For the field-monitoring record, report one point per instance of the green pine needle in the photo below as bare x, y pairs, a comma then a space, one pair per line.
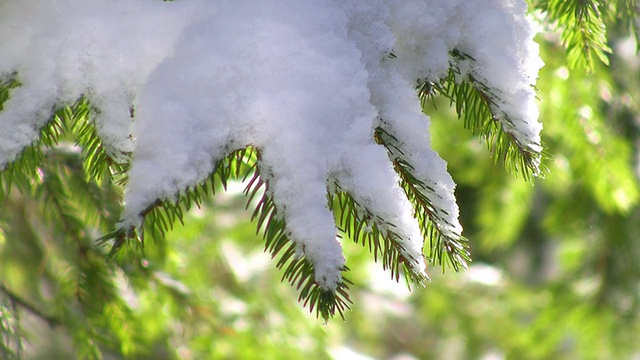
6, 85
584, 34
446, 248
298, 270
364, 228
98, 164
68, 122
474, 103
241, 164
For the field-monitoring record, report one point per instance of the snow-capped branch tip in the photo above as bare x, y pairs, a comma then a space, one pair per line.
480, 108
160, 217
299, 271
447, 247
360, 225
69, 121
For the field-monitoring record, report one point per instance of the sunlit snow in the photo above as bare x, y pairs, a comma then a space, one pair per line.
305, 82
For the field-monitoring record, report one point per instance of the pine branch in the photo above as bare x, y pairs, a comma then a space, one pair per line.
299, 271
161, 216
447, 248
97, 163
50, 320
73, 208
67, 122
476, 104
372, 232
584, 33
24, 169
6, 84
86, 288
23, 172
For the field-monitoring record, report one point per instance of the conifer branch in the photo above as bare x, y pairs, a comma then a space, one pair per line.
299, 271
68, 122
363, 227
6, 84
160, 216
98, 164
476, 104
23, 170
242, 164
447, 248
16, 299
584, 34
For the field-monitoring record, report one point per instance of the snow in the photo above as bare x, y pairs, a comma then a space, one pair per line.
305, 82
61, 50
495, 33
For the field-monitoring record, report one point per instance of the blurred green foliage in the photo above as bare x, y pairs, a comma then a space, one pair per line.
555, 273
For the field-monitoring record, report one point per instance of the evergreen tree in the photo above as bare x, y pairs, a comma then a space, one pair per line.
65, 190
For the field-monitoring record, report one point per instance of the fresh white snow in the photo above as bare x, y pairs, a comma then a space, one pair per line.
306, 82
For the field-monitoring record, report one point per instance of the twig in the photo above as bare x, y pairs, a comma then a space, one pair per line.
17, 300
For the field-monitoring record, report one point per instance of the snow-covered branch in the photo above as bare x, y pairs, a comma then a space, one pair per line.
178, 86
